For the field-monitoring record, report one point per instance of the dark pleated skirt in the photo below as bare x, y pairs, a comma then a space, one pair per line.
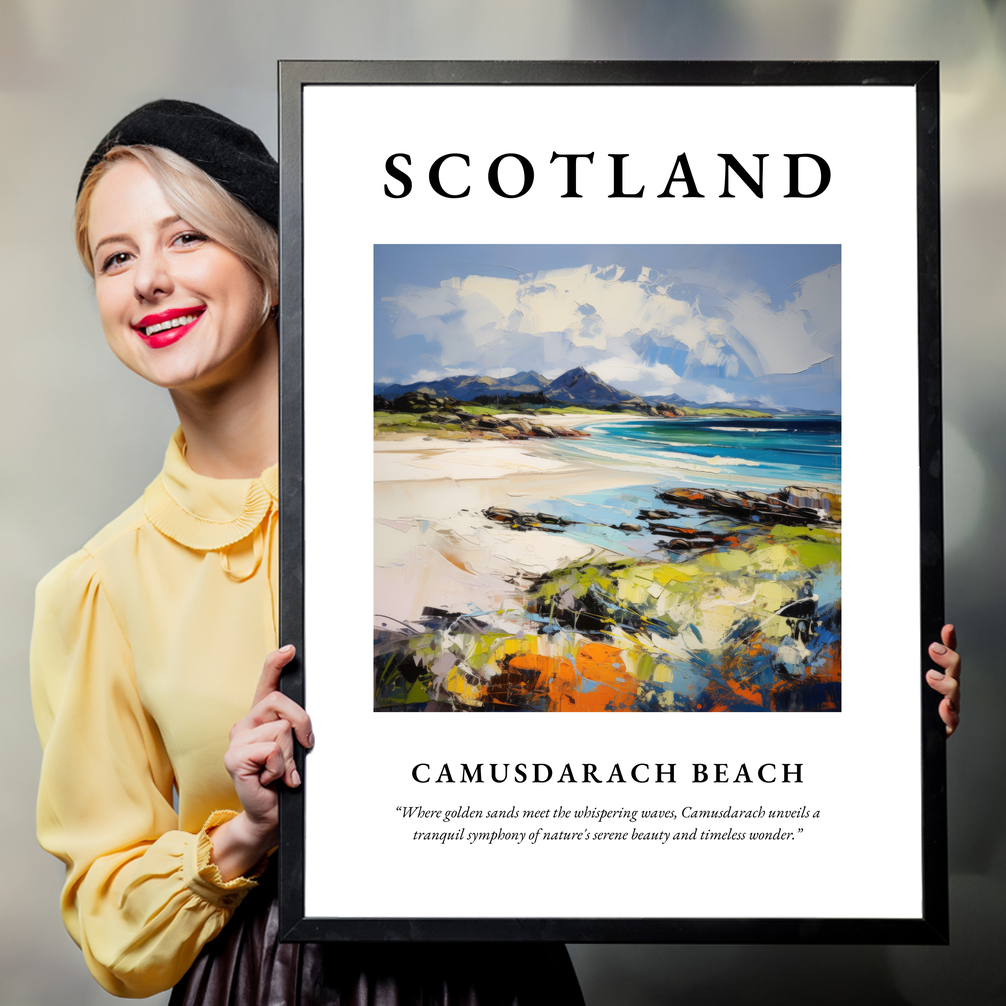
246, 965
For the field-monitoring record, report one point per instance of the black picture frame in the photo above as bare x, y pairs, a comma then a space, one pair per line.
931, 927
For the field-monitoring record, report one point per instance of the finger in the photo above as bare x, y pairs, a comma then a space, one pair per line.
276, 706
278, 732
950, 716
273, 708
949, 636
949, 708
271, 670
949, 660
944, 684
260, 760
274, 766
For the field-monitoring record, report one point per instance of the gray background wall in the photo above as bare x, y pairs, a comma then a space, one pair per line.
81, 436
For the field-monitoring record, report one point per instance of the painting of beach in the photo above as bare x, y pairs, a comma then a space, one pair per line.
607, 478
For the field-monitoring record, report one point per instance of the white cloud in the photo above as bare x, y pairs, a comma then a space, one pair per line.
783, 341
703, 393
436, 375
636, 376
717, 329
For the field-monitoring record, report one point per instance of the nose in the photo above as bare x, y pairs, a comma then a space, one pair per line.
152, 276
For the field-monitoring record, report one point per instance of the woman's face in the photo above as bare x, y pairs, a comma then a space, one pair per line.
177, 308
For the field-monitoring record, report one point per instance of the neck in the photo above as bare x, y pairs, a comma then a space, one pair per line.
231, 426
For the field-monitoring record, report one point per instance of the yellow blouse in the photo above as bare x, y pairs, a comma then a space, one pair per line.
147, 647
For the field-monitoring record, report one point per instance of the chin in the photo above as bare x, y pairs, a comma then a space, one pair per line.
170, 375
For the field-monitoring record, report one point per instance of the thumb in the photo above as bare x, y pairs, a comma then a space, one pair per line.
271, 671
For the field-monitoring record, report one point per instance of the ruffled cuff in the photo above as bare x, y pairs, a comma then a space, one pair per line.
203, 878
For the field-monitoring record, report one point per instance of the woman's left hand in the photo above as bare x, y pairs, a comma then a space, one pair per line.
948, 681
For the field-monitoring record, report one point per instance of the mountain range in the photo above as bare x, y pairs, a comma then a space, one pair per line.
575, 387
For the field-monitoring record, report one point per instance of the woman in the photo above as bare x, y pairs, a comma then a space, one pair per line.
149, 642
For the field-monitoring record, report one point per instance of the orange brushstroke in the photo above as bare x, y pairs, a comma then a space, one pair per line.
714, 699
831, 669
746, 694
545, 667
721, 697
565, 682
521, 677
543, 671
602, 663
734, 660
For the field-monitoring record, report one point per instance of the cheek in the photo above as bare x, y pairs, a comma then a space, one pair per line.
246, 300
113, 313
224, 278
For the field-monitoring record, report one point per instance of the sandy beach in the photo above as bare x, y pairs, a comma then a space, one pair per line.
429, 498
400, 457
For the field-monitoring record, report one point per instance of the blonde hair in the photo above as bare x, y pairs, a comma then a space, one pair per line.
199, 200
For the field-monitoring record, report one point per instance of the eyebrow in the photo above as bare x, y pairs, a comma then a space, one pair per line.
160, 225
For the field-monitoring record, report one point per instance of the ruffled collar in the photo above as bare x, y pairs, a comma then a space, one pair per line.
203, 513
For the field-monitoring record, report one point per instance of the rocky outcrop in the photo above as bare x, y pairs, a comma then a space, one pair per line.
523, 521
683, 539
803, 506
518, 521
456, 419
420, 401
660, 409
792, 505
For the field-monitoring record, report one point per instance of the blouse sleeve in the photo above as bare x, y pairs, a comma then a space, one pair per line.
141, 898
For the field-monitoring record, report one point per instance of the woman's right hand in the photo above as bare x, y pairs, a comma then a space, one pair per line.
260, 753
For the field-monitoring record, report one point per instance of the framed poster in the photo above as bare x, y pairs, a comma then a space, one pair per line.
610, 400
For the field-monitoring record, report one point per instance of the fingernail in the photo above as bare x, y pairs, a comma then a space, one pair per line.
287, 649
310, 740
936, 675
938, 648
295, 777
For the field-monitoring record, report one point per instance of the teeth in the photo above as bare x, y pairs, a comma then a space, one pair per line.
174, 323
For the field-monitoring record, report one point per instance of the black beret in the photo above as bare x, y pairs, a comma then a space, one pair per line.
231, 154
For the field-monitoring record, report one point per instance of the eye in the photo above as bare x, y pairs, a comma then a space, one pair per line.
189, 239
115, 261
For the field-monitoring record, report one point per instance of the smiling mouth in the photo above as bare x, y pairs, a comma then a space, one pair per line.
185, 319
166, 322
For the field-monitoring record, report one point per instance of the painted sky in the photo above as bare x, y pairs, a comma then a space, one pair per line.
709, 323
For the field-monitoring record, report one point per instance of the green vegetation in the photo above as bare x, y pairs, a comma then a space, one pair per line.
577, 410
405, 421
413, 422
750, 624
762, 571
726, 413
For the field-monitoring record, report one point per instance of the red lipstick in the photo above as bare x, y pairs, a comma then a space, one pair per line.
166, 325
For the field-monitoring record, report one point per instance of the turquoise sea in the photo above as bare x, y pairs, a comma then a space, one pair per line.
725, 453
